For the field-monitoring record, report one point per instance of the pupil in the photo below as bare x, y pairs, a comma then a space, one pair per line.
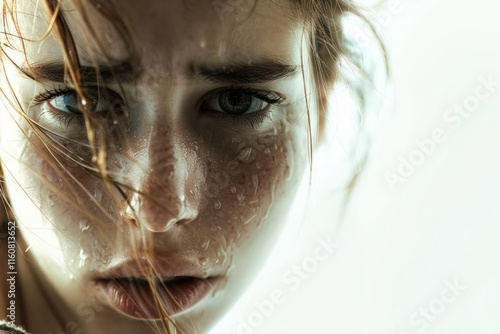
236, 99
70, 100
236, 102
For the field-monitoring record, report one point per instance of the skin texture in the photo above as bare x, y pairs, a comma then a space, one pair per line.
218, 190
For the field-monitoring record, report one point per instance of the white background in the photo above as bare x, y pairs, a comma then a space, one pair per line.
402, 246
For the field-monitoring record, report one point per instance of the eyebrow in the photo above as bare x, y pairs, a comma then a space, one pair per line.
244, 73
232, 72
56, 72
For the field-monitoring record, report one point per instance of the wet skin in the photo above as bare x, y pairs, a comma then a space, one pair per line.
218, 186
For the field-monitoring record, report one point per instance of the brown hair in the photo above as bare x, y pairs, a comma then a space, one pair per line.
328, 48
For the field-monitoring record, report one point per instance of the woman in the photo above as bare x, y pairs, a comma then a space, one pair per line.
151, 150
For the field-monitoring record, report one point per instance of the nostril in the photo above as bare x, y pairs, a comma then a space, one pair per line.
188, 215
158, 216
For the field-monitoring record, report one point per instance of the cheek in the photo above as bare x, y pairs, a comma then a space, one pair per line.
60, 207
79, 212
250, 180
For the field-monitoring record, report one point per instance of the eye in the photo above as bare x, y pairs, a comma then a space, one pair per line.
66, 103
98, 100
239, 101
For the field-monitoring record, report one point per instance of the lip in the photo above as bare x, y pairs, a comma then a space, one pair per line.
181, 285
135, 298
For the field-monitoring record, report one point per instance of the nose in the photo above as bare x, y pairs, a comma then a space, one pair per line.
161, 202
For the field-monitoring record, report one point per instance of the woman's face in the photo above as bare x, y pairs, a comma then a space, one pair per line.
216, 141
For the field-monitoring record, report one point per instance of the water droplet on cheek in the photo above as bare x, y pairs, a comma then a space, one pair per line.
240, 197
83, 259
203, 261
218, 256
217, 204
100, 252
98, 193
233, 189
205, 244
84, 225
247, 221
247, 155
255, 182
215, 228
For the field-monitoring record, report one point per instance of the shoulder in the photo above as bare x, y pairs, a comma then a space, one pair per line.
7, 328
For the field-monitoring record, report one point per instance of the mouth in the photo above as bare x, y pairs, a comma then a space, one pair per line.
136, 297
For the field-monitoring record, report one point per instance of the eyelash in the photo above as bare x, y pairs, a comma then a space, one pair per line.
251, 120
50, 94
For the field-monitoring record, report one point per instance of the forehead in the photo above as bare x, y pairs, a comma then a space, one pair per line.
171, 31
